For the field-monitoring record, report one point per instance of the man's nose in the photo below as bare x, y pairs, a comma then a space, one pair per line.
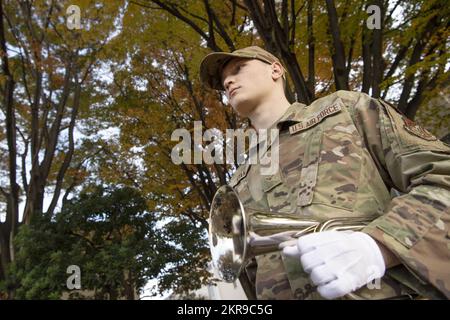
227, 82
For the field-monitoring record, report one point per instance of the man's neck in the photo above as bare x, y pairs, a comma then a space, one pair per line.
268, 112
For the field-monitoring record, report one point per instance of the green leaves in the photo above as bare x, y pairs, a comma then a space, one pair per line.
107, 232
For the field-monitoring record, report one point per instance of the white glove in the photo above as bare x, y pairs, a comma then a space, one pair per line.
339, 262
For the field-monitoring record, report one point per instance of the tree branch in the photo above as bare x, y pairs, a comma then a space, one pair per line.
311, 49
69, 153
420, 45
220, 29
10, 226
172, 9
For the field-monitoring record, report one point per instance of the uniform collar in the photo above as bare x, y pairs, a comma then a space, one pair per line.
293, 114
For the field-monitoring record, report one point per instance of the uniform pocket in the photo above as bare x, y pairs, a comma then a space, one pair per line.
410, 217
293, 185
339, 168
310, 167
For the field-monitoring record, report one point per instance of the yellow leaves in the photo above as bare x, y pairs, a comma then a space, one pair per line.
2, 132
23, 111
77, 174
127, 230
57, 82
3, 80
56, 164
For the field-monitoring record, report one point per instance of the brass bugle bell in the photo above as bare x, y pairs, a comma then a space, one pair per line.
237, 234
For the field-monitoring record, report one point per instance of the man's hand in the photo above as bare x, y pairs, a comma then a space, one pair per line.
339, 262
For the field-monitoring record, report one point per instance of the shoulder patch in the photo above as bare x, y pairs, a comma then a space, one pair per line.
315, 118
409, 125
417, 130
406, 135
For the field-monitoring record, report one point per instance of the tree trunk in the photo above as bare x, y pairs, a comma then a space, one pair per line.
421, 42
5, 257
270, 30
377, 49
8, 229
367, 61
338, 53
409, 80
311, 48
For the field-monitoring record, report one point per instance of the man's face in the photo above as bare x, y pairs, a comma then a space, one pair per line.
247, 82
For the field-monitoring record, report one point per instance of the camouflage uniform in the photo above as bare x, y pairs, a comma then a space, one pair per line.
342, 156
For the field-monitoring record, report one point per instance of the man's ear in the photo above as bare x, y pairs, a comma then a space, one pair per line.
277, 70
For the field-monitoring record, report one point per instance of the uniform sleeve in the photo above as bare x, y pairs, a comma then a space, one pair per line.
416, 225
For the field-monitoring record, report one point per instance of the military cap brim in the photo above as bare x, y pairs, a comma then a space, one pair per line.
212, 65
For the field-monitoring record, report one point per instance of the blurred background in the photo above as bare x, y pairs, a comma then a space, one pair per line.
91, 204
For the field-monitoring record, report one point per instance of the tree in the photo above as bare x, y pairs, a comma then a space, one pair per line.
101, 103
141, 157
409, 47
109, 234
156, 87
45, 83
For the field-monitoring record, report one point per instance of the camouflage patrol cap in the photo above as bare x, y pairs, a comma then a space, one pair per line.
212, 65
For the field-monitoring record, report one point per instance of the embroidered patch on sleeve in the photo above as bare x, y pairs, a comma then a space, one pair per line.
417, 130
